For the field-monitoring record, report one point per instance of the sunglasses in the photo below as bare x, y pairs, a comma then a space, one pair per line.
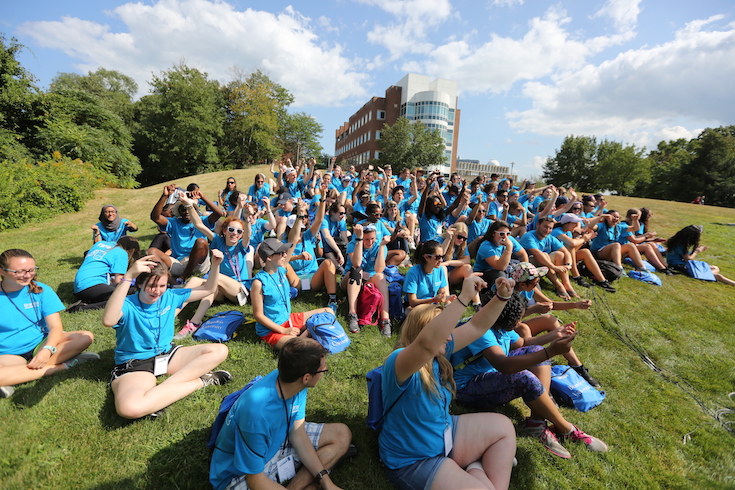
502, 233
341, 213
320, 371
237, 231
231, 182
481, 211
434, 256
460, 237
576, 209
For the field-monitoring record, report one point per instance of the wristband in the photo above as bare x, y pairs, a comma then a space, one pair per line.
547, 354
358, 239
319, 476
460, 302
131, 281
51, 348
502, 298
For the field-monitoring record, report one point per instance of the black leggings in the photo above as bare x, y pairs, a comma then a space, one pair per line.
96, 296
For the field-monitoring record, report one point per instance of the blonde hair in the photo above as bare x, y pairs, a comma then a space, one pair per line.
419, 317
459, 227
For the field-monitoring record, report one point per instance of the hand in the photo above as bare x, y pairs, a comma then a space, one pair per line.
143, 264
340, 259
504, 286
561, 345
303, 207
217, 257
167, 191
561, 269
385, 240
543, 308
292, 331
357, 230
451, 232
305, 255
242, 200
583, 304
40, 359
96, 229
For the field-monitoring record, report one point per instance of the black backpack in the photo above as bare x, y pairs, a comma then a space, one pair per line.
610, 270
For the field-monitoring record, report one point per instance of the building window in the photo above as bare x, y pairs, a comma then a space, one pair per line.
377, 135
381, 114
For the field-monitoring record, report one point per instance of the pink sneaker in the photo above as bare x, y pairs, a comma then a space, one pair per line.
541, 431
188, 329
578, 435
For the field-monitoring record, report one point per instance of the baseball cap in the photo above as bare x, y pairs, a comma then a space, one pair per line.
284, 197
271, 246
570, 218
526, 271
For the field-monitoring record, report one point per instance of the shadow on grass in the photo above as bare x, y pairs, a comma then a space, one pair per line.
65, 291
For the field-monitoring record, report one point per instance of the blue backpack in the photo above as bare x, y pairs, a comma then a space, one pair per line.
224, 410
221, 327
325, 329
649, 266
395, 302
572, 390
375, 414
699, 269
645, 276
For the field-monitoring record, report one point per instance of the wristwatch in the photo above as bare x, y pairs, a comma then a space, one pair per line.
51, 348
318, 477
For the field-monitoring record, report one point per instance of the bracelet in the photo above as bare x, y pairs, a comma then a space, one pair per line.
97, 234
131, 281
319, 476
460, 302
358, 239
502, 298
547, 354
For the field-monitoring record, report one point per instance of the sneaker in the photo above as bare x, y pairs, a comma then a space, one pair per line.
666, 271
624, 273
592, 443
352, 324
606, 286
216, 378
76, 306
582, 371
385, 327
541, 431
155, 415
188, 329
6, 391
581, 281
81, 359
333, 305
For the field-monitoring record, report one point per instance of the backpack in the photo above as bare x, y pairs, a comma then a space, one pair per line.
699, 269
369, 305
645, 276
375, 414
395, 302
610, 270
221, 327
572, 390
224, 410
325, 329
392, 274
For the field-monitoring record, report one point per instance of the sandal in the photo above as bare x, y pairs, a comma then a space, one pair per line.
573, 294
563, 295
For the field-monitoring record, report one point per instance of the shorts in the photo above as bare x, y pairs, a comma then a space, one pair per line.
139, 365
31, 354
420, 475
314, 431
178, 266
490, 390
295, 320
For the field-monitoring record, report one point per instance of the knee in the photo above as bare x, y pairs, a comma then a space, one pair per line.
217, 351
128, 409
329, 266
342, 436
87, 338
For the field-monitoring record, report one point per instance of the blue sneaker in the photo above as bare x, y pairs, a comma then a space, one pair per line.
333, 305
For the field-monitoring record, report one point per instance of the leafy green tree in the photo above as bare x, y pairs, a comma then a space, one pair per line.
114, 89
711, 172
574, 164
18, 92
619, 167
255, 108
299, 135
411, 144
666, 163
180, 125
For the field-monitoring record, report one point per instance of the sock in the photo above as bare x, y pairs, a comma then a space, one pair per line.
332, 297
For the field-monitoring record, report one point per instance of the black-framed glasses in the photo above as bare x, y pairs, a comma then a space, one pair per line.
434, 256
576, 209
237, 231
23, 272
461, 237
320, 371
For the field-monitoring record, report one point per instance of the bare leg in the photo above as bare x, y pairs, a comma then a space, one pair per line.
198, 254
612, 253
720, 277
333, 444
592, 265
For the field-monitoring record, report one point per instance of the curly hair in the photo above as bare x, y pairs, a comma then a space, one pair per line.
687, 237
512, 312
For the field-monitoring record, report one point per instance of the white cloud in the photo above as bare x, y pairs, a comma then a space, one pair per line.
624, 13
506, 3
213, 37
643, 95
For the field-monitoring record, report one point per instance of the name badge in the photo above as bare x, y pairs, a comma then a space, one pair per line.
160, 365
286, 469
448, 442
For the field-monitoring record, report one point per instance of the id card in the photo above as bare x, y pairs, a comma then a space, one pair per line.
160, 365
448, 442
242, 296
306, 284
286, 469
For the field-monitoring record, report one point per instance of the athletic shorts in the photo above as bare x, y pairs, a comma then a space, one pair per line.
140, 365
178, 266
31, 354
295, 320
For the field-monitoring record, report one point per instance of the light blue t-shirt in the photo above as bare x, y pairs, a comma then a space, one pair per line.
477, 229
624, 233
183, 235
424, 285
418, 416
502, 338
489, 249
102, 260
369, 256
308, 244
114, 235
255, 430
547, 245
234, 264
276, 298
257, 195
430, 228
674, 256
144, 330
605, 236
23, 319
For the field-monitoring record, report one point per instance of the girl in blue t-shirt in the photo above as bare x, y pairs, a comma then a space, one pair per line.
426, 282
111, 227
225, 194
144, 327
334, 235
33, 343
498, 250
260, 191
457, 257
421, 444
499, 367
684, 246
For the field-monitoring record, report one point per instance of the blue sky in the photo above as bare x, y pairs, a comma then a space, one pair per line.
529, 73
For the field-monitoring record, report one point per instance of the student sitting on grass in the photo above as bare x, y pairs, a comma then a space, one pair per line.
500, 367
111, 227
684, 246
271, 297
144, 326
426, 282
33, 343
457, 257
421, 444
266, 426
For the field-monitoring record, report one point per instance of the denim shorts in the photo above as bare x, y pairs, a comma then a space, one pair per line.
420, 475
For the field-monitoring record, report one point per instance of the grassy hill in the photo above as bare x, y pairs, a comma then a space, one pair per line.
658, 418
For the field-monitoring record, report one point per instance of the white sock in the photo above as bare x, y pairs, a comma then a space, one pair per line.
476, 465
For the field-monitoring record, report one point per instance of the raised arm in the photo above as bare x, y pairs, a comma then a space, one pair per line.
196, 220
113, 308
156, 215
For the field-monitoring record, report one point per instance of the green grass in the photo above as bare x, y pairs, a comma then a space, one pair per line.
62, 432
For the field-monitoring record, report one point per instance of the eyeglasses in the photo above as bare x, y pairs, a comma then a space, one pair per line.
341, 213
23, 272
502, 233
232, 181
460, 237
576, 209
434, 256
237, 231
320, 371
481, 211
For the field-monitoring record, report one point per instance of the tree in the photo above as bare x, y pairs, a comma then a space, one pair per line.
18, 92
114, 89
574, 164
666, 163
619, 167
255, 109
299, 136
411, 144
711, 172
180, 125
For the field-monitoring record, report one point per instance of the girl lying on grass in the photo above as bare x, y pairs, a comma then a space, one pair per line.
684, 246
144, 326
33, 343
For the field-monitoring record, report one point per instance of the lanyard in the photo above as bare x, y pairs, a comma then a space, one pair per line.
236, 266
36, 322
278, 285
288, 415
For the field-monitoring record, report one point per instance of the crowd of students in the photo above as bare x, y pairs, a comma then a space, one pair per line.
487, 239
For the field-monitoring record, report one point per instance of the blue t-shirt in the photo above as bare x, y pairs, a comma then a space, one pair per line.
234, 264
489, 249
257, 232
257, 195
369, 257
255, 430
418, 416
477, 229
624, 233
430, 228
113, 236
102, 260
674, 256
276, 298
605, 236
424, 285
307, 244
183, 236
502, 338
23, 319
144, 330
547, 245
334, 228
